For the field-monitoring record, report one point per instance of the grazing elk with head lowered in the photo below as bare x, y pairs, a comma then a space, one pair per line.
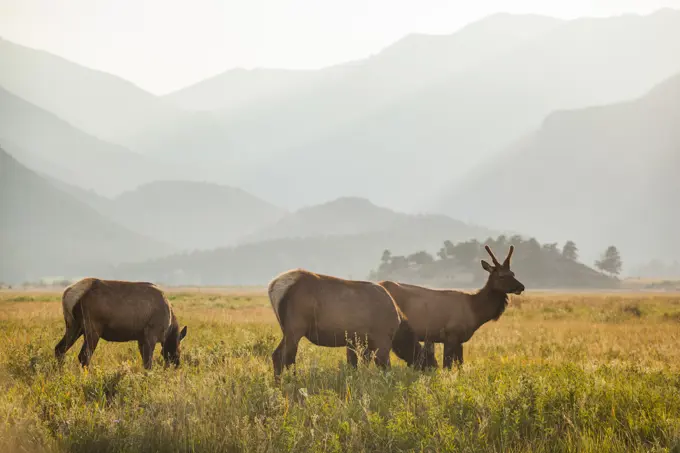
119, 311
452, 317
334, 312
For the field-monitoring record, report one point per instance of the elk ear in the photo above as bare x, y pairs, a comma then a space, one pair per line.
183, 333
487, 267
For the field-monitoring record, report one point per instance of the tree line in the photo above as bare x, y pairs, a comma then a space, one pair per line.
545, 264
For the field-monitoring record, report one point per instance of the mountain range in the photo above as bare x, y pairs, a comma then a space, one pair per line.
438, 133
46, 232
100, 104
345, 237
296, 108
473, 93
599, 176
104, 107
349, 216
50, 145
457, 99
520, 123
52, 228
189, 215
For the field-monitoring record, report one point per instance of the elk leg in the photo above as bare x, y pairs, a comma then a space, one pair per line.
458, 356
429, 354
382, 356
406, 346
89, 345
72, 334
453, 351
284, 354
146, 349
352, 358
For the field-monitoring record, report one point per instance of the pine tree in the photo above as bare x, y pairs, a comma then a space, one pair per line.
570, 251
610, 261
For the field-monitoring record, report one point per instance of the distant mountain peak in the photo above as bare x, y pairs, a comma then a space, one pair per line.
346, 207
349, 201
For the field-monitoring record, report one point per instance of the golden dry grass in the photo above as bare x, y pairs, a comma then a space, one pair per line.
557, 372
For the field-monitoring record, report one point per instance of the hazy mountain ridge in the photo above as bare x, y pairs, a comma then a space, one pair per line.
607, 175
351, 256
419, 54
343, 237
54, 147
96, 102
188, 215
580, 63
367, 120
194, 215
106, 106
46, 232
316, 104
392, 128
239, 88
349, 216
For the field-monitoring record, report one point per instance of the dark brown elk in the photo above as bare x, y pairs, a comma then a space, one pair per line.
119, 311
334, 312
452, 317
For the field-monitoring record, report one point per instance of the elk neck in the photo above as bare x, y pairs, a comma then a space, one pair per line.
173, 328
488, 304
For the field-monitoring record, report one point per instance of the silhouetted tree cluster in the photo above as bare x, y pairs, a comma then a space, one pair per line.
420, 258
539, 265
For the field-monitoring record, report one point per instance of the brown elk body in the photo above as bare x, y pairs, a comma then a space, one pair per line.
451, 317
334, 312
119, 311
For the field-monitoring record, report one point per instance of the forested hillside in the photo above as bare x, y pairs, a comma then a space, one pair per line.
458, 265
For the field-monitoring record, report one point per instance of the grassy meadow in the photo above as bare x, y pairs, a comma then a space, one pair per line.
557, 372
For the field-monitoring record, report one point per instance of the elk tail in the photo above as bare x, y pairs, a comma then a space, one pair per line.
72, 296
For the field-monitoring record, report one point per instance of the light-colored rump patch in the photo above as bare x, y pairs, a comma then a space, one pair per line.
279, 286
72, 295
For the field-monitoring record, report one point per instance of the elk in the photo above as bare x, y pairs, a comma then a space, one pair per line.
334, 312
452, 317
119, 311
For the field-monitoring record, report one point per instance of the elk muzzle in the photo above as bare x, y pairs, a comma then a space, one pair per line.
519, 289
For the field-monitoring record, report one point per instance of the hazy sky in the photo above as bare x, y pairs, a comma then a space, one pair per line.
162, 45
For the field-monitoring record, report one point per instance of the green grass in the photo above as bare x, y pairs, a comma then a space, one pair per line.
595, 373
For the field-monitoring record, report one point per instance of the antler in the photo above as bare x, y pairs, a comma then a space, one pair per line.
493, 257
506, 263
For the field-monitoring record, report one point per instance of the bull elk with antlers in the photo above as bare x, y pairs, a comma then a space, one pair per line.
452, 317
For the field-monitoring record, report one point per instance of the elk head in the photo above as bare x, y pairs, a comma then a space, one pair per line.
170, 348
501, 278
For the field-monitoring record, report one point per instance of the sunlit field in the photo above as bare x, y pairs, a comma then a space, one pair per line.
557, 372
